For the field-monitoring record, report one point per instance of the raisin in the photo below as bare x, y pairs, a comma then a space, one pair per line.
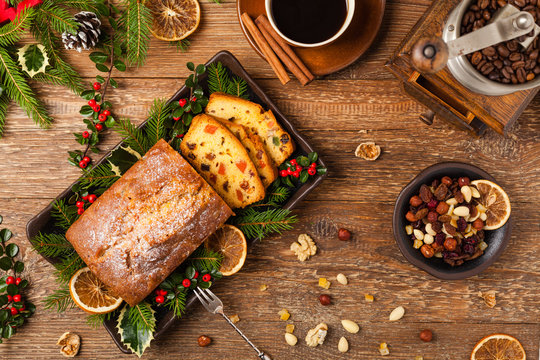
461, 224
244, 185
436, 226
191, 156
425, 193
284, 138
445, 218
191, 146
420, 214
260, 154
226, 186
213, 178
440, 192
459, 197
205, 167
210, 156
450, 229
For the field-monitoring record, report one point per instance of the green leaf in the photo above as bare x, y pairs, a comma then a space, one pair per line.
86, 110
4, 313
7, 332
190, 66
113, 83
201, 69
190, 272
5, 235
5, 263
88, 94
18, 267
23, 284
1, 219
12, 289
12, 250
100, 79
136, 338
313, 157
33, 59
102, 68
119, 64
122, 159
1, 251
304, 176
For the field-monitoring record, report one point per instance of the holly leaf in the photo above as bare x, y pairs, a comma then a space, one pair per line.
137, 339
122, 159
33, 59
5, 263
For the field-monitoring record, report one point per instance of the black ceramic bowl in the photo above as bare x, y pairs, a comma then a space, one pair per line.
496, 239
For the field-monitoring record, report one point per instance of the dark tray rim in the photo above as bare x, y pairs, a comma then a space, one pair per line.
40, 220
404, 243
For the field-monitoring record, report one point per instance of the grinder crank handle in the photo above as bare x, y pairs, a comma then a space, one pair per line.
429, 55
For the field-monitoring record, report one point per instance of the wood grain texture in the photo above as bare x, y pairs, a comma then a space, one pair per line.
360, 103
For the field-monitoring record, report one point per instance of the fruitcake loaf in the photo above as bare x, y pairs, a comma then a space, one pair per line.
265, 166
147, 223
277, 142
223, 161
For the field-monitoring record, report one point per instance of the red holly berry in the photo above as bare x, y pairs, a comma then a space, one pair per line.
293, 162
299, 168
79, 204
83, 164
86, 159
186, 283
96, 86
97, 108
289, 171
180, 136
10, 280
206, 278
194, 99
85, 197
312, 171
196, 275
14, 311
85, 134
92, 103
283, 173
182, 102
163, 292
176, 118
92, 198
106, 112
17, 298
313, 165
23, 308
102, 117
99, 127
18, 281
80, 211
10, 298
160, 299
296, 174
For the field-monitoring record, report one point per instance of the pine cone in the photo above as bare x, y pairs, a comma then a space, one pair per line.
87, 35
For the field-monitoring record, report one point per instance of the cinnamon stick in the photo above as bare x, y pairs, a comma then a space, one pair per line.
266, 49
262, 20
286, 59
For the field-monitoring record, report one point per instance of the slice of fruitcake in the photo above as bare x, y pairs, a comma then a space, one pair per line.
223, 161
255, 148
277, 142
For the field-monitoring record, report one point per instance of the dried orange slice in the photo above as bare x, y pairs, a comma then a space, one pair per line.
498, 347
174, 20
91, 294
229, 241
495, 200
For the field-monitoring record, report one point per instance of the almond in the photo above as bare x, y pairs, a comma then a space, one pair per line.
343, 345
397, 313
291, 339
342, 279
350, 326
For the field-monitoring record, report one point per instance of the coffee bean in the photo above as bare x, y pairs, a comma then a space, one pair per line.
487, 68
514, 79
489, 51
503, 50
512, 45
498, 64
515, 56
520, 3
530, 64
518, 65
482, 4
476, 58
534, 54
521, 75
506, 73
494, 76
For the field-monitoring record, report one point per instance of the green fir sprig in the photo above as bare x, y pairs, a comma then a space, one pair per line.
60, 300
51, 245
259, 224
221, 80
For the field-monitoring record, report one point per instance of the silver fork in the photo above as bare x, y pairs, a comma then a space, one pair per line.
214, 305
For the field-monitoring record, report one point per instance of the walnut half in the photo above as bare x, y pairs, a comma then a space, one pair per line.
304, 248
317, 335
70, 344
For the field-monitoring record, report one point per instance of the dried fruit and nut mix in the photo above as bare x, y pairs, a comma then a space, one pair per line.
446, 220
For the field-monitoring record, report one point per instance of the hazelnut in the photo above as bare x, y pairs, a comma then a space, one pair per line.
204, 340
344, 234
447, 181
463, 181
450, 244
426, 335
409, 216
478, 224
427, 251
415, 201
442, 208
325, 299
432, 216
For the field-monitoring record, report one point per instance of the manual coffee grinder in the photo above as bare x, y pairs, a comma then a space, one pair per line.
431, 63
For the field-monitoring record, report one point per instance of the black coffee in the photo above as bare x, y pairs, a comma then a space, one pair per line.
309, 21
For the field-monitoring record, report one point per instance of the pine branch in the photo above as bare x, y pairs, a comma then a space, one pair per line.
137, 23
4, 102
51, 245
133, 137
205, 259
13, 31
60, 300
181, 45
96, 320
177, 304
256, 224
63, 214
79, 4
67, 267
17, 88
58, 17
100, 176
141, 316
218, 77
238, 87
155, 127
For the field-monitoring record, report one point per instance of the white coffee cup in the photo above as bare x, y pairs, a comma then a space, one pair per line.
350, 13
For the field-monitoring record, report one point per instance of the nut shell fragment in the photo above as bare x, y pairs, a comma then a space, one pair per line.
368, 151
316, 335
70, 344
304, 248
489, 298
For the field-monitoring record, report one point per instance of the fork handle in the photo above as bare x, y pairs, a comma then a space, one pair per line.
260, 354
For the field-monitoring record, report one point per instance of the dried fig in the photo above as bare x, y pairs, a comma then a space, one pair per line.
425, 193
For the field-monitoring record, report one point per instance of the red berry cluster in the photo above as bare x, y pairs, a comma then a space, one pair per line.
80, 204
102, 117
17, 298
84, 161
160, 296
295, 169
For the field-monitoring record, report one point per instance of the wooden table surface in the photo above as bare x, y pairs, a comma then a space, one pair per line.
336, 113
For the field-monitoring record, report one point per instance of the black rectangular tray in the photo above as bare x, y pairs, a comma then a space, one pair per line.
40, 221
